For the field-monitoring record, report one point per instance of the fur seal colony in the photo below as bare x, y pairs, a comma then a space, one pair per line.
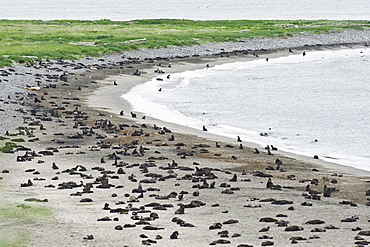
121, 180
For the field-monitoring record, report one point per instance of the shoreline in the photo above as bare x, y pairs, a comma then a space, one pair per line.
121, 181
113, 102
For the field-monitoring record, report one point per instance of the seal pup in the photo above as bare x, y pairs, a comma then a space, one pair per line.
204, 128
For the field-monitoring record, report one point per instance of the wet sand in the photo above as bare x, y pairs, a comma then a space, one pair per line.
123, 181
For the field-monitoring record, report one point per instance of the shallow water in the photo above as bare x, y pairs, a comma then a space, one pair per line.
191, 9
295, 100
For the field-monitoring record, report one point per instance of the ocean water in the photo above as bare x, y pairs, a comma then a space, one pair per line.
190, 9
316, 104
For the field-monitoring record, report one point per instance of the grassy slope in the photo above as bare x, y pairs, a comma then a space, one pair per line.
53, 39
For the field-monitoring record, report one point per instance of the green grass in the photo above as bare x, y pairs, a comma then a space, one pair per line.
7, 147
24, 40
18, 221
15, 238
27, 213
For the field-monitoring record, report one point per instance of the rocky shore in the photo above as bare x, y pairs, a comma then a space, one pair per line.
104, 177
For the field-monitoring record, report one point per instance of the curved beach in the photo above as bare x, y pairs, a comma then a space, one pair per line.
114, 180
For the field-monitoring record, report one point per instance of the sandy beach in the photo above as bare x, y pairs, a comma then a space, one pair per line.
111, 179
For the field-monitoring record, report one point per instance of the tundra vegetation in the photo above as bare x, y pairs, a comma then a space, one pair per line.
24, 40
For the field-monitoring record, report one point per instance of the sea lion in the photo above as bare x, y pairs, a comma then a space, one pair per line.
265, 229
181, 210
174, 235
234, 178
